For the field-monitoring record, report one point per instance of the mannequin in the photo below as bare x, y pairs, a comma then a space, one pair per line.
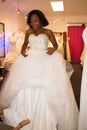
12, 53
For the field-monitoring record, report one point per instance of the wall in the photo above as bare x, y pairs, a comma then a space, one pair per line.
13, 21
9, 16
59, 24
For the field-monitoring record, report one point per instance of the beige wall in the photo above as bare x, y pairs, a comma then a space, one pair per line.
9, 16
13, 21
59, 24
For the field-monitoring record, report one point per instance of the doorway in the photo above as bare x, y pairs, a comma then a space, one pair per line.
76, 43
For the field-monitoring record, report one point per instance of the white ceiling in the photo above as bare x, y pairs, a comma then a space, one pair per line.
71, 7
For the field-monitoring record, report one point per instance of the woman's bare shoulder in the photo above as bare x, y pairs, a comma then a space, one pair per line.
48, 32
29, 31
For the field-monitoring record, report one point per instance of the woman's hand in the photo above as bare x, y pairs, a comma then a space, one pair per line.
50, 50
22, 124
24, 54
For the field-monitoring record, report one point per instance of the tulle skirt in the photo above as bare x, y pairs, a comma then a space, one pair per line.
38, 87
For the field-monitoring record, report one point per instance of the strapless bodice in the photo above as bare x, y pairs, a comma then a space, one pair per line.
38, 42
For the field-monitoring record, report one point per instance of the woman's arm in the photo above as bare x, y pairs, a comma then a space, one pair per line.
24, 46
22, 124
53, 41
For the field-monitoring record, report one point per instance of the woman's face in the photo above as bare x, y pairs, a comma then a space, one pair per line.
35, 22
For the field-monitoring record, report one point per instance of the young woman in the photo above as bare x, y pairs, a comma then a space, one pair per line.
38, 86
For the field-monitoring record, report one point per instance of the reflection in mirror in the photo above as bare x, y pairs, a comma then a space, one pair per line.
2, 40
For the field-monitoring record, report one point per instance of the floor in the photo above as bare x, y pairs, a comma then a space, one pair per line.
76, 81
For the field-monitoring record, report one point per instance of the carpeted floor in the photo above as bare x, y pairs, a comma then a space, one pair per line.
5, 127
76, 81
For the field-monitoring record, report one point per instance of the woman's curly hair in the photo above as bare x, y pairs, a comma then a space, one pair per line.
39, 13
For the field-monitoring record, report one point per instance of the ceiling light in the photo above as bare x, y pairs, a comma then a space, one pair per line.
18, 10
57, 5
25, 16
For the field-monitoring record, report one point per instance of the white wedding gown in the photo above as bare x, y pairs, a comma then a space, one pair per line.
83, 98
38, 88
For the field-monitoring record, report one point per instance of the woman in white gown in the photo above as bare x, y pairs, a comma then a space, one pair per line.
83, 98
38, 86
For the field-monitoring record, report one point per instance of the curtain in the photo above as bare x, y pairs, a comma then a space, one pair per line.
75, 42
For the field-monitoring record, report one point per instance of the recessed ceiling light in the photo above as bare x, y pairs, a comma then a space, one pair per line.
57, 5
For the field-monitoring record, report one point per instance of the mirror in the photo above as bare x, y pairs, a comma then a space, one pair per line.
2, 40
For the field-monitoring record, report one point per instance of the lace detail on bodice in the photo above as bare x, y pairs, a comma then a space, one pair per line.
38, 42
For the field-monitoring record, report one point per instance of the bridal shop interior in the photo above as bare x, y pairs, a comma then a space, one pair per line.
67, 26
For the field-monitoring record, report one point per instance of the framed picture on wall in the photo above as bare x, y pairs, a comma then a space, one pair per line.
2, 40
